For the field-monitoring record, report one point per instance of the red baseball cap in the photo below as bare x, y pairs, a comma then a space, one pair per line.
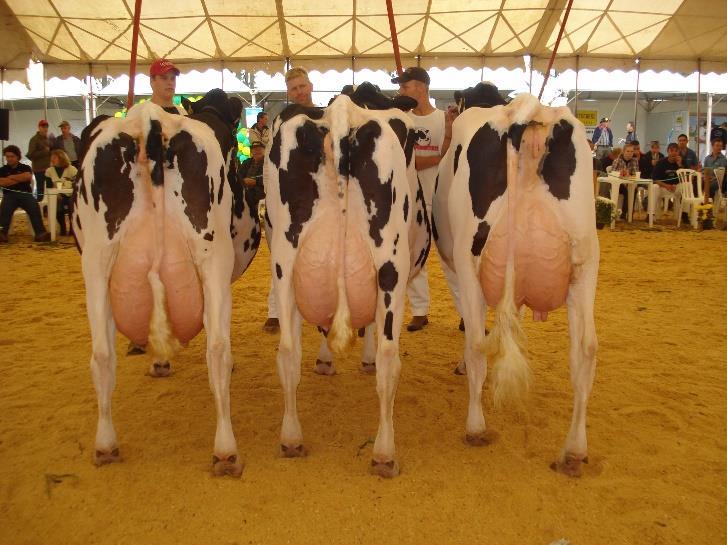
162, 66
42, 123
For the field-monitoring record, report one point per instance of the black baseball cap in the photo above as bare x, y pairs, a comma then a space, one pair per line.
413, 73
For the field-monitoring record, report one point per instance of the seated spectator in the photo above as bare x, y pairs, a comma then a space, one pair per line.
15, 178
609, 158
648, 160
719, 132
626, 165
68, 142
61, 172
637, 150
712, 161
689, 158
665, 172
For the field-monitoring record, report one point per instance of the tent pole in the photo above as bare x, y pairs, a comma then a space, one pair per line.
575, 99
134, 45
699, 99
636, 95
555, 49
45, 97
222, 75
709, 123
394, 39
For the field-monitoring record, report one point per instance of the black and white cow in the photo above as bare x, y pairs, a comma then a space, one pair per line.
349, 229
513, 216
157, 205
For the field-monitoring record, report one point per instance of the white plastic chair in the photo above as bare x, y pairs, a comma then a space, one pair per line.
720, 200
684, 197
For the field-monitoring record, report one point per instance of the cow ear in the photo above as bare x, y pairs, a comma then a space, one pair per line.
187, 105
235, 108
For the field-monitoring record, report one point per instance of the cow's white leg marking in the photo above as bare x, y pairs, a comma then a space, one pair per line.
368, 355
388, 367
97, 263
324, 363
583, 347
216, 275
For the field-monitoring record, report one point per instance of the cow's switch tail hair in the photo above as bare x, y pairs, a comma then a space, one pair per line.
161, 339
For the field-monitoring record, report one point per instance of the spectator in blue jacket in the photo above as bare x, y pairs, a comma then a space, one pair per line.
602, 138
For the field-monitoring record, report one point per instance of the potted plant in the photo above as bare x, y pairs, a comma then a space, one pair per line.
705, 217
605, 211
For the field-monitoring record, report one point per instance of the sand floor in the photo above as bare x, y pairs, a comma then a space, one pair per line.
657, 442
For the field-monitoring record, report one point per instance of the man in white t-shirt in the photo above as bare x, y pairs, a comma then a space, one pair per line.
434, 133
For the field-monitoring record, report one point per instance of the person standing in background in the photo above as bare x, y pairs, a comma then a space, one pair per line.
630, 132
39, 153
68, 142
602, 138
434, 133
260, 132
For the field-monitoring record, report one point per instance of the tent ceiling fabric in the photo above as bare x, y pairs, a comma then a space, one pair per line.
73, 38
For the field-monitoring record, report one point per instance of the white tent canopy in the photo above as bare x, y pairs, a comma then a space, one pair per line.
77, 38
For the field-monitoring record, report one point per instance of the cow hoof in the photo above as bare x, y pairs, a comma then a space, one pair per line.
160, 369
570, 465
231, 465
103, 457
387, 470
461, 368
324, 368
481, 439
293, 451
368, 368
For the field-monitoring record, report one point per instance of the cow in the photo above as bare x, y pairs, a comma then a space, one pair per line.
163, 228
513, 216
349, 228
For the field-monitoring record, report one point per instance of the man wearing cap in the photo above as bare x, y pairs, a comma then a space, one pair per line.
68, 142
260, 132
300, 89
163, 75
39, 153
602, 138
434, 133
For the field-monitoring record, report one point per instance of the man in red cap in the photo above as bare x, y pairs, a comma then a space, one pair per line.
163, 76
39, 154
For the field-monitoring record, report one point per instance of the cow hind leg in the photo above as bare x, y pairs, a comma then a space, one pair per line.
324, 362
583, 346
368, 355
96, 271
217, 318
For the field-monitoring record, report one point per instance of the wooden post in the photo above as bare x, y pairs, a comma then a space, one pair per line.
636, 95
394, 39
699, 100
132, 64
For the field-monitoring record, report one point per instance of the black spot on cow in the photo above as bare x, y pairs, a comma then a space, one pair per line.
387, 299
396, 240
393, 195
422, 257
389, 325
560, 160
298, 189
222, 184
176, 193
275, 149
197, 186
406, 207
88, 135
400, 129
388, 276
267, 219
78, 222
482, 95
255, 236
434, 229
515, 133
246, 245
376, 191
209, 236
420, 218
487, 159
411, 139
478, 241
155, 152
82, 188
344, 164
278, 271
295, 109
436, 183
112, 180
457, 151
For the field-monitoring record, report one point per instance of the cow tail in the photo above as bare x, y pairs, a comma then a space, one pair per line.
341, 336
151, 158
506, 346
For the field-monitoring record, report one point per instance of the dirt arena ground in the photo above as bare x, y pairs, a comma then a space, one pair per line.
657, 441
